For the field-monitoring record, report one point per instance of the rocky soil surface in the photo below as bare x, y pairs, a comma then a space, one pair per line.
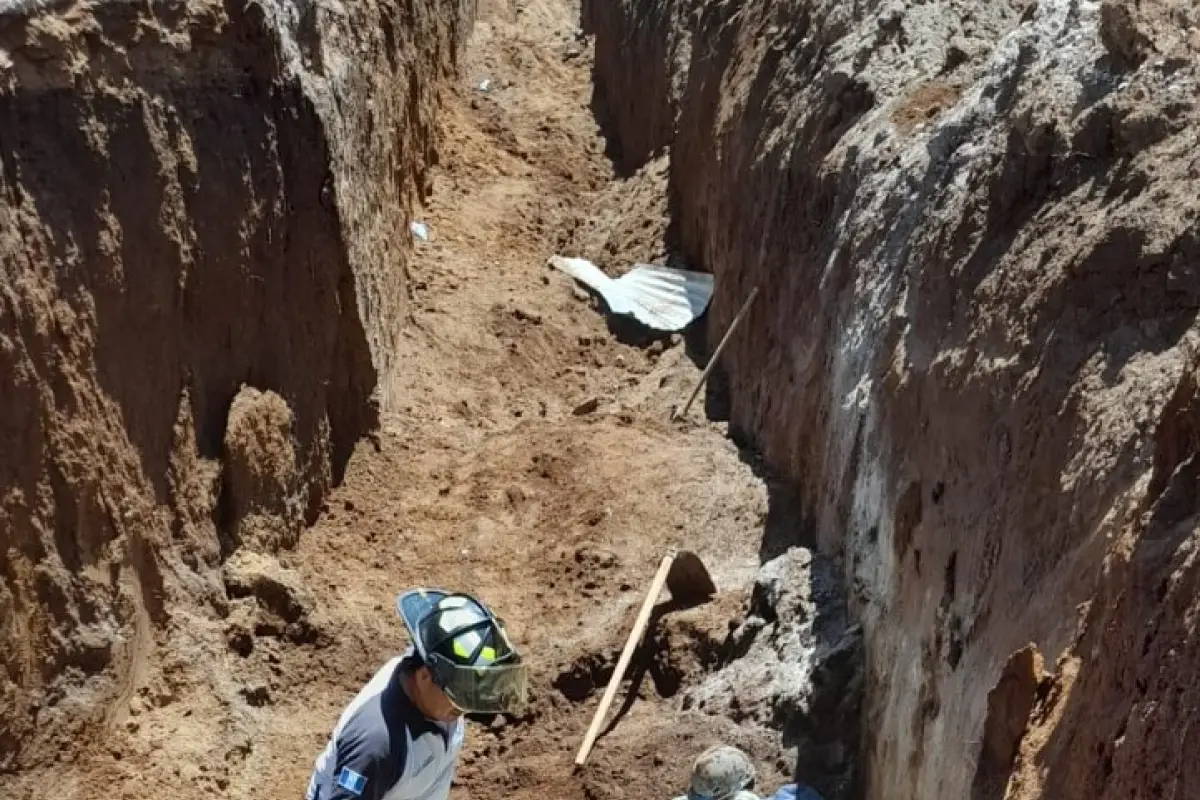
242, 407
976, 351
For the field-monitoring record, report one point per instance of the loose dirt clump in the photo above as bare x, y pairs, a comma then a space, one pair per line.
924, 104
263, 507
272, 600
628, 222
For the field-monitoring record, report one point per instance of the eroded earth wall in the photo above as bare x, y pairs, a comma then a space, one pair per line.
198, 201
976, 350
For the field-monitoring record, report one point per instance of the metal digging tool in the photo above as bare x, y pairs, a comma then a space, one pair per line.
688, 581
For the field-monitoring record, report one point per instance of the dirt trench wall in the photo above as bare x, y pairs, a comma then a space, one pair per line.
976, 350
193, 197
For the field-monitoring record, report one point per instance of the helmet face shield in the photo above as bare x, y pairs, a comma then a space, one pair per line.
466, 650
496, 689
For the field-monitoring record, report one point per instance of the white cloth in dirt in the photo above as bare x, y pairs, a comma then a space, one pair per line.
384, 748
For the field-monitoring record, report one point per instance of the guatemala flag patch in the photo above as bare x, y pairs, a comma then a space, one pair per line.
351, 781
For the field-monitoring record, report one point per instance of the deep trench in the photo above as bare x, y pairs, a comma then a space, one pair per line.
242, 420
945, 472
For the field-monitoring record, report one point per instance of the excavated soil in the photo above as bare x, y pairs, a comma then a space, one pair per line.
524, 452
246, 408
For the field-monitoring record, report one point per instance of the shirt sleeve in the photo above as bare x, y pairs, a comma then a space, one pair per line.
367, 764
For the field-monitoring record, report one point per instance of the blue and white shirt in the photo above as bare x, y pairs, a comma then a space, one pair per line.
383, 748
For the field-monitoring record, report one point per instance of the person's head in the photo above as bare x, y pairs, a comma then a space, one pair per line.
721, 773
425, 693
466, 662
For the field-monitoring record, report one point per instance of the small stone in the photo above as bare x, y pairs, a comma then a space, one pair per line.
586, 407
523, 315
596, 556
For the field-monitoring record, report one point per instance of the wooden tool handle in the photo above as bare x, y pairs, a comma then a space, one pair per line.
712, 360
639, 626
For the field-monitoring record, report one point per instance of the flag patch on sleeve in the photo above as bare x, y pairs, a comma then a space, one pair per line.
351, 781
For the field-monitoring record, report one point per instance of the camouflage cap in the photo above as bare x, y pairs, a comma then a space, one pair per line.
719, 773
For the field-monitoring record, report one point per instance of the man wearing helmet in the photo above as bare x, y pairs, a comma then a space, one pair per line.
401, 734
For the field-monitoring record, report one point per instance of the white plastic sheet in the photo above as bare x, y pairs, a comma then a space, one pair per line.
663, 298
